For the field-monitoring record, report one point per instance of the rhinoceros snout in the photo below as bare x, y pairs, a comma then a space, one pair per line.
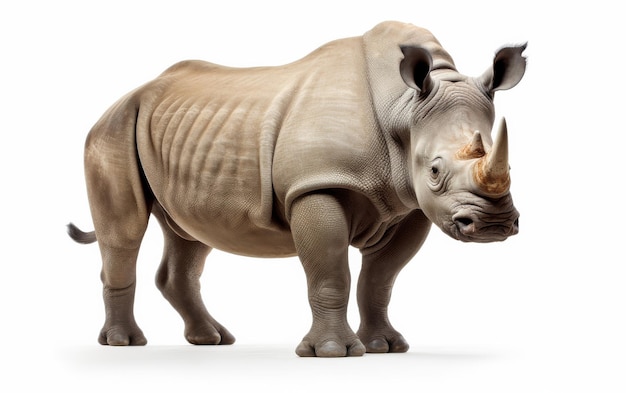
473, 227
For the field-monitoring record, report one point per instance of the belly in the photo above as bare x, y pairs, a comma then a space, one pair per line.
228, 215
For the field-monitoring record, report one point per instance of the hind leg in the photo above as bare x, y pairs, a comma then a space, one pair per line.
119, 209
178, 279
118, 277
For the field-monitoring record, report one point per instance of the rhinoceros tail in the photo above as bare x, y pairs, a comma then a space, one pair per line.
79, 236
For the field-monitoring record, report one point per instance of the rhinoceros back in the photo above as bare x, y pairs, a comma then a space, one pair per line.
227, 150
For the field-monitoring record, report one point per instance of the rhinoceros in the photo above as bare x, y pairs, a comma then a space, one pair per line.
364, 142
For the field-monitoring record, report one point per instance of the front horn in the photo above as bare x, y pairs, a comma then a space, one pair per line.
491, 172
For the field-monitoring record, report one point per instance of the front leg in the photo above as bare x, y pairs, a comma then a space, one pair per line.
378, 274
321, 235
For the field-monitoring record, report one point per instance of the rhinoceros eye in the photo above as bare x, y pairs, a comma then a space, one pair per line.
435, 169
438, 175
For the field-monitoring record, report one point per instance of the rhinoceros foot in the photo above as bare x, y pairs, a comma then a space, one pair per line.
122, 335
330, 348
383, 342
208, 333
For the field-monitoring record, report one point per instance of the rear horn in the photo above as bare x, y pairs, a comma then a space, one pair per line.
474, 149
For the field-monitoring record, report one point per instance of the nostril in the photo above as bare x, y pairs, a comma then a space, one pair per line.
464, 221
464, 224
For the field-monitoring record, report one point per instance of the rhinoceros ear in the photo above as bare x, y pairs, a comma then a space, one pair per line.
508, 69
415, 68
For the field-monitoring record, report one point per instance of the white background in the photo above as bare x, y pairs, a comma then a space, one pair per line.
542, 312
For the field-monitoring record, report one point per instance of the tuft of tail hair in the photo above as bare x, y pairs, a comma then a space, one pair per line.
79, 236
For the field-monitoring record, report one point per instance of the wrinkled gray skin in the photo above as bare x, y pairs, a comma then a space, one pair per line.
364, 142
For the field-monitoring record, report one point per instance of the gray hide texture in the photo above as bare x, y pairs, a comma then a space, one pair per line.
364, 142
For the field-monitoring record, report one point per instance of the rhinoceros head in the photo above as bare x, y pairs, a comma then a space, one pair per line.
460, 174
